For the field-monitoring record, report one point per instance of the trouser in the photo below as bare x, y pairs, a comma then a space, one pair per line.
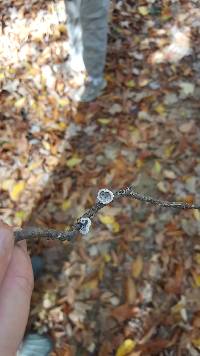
87, 25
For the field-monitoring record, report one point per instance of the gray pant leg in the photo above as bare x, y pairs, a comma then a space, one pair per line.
94, 21
74, 30
88, 29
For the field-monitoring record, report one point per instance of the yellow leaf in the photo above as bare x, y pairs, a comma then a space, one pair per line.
104, 121
157, 167
137, 266
92, 284
196, 343
110, 222
7, 184
46, 145
107, 258
131, 292
196, 278
101, 271
21, 215
168, 151
61, 28
162, 186
20, 103
74, 161
139, 163
143, 10
16, 190
66, 205
130, 84
196, 214
169, 174
116, 227
34, 165
176, 309
2, 76
197, 258
63, 102
106, 219
160, 109
62, 125
126, 347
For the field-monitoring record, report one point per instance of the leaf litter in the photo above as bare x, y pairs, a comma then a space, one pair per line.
132, 286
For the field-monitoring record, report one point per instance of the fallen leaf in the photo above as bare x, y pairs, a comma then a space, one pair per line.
66, 204
196, 343
160, 109
137, 266
187, 88
90, 285
123, 312
186, 127
110, 222
169, 174
16, 190
115, 108
104, 121
7, 184
126, 347
157, 167
73, 161
20, 103
131, 293
196, 214
197, 258
143, 10
196, 277
21, 215
130, 83
163, 186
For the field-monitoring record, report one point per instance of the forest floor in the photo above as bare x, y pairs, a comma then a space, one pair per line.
132, 286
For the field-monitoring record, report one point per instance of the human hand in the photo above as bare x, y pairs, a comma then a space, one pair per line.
16, 285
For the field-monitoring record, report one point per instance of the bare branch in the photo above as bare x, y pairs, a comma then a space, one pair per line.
50, 234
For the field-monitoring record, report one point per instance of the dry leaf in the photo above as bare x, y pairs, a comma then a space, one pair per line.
137, 266
123, 312
126, 347
131, 293
17, 190
110, 221
143, 10
169, 174
73, 162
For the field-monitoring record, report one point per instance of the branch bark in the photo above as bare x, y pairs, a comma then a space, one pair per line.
50, 234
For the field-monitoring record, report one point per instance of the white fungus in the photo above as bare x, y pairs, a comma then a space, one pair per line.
86, 223
105, 196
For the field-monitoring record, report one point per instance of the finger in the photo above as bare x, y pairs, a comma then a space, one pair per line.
15, 295
6, 248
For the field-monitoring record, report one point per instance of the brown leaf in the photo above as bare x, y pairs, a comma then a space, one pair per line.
130, 289
123, 312
137, 266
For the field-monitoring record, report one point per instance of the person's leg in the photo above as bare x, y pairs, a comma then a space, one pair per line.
74, 31
94, 23
88, 30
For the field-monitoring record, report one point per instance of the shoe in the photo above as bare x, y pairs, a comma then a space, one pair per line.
36, 345
38, 266
87, 92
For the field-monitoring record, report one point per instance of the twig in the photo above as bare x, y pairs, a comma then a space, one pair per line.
34, 232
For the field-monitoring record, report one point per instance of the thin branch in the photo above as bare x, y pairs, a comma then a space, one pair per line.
50, 234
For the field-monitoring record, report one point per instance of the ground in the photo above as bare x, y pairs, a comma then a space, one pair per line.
132, 285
